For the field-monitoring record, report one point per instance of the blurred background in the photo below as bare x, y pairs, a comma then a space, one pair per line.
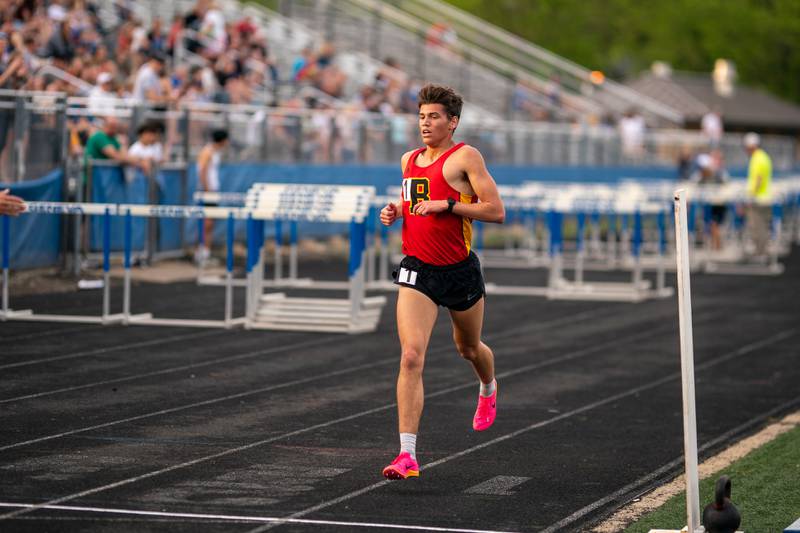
313, 91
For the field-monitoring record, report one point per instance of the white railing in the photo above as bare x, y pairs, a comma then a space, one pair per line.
533, 58
343, 134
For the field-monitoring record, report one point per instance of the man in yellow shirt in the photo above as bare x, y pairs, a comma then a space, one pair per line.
759, 193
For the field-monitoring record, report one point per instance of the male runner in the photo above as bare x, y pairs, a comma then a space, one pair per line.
442, 183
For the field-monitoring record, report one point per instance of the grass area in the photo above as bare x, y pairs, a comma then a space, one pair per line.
765, 487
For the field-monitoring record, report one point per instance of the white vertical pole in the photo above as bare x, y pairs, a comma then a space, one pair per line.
687, 363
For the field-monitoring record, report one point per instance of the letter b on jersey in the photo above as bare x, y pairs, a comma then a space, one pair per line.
416, 190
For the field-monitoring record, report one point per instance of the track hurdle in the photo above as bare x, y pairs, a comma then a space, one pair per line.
322, 203
733, 258
576, 203
296, 203
376, 265
637, 289
128, 211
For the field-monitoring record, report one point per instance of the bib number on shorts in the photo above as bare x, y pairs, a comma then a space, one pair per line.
407, 277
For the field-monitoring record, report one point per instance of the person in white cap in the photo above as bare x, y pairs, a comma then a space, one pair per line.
101, 96
759, 193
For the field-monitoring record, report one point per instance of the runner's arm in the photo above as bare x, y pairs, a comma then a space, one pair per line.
489, 209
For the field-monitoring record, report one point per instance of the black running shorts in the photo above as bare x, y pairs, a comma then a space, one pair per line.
457, 287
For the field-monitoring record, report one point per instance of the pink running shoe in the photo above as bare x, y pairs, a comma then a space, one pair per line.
486, 412
404, 466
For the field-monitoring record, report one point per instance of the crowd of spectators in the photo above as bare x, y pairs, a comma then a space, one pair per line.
197, 57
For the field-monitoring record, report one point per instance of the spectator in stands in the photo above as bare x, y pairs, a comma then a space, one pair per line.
156, 38
304, 67
631, 131
148, 87
522, 102
208, 163
441, 34
759, 192
80, 130
345, 142
102, 98
60, 46
105, 144
175, 30
718, 164
553, 90
711, 125
213, 30
707, 175
10, 205
685, 163
12, 64
148, 143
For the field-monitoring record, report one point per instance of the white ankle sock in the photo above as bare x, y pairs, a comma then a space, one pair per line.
487, 389
408, 443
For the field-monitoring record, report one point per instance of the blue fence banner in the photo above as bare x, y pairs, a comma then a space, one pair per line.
36, 239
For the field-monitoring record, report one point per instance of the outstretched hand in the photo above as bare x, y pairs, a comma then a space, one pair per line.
11, 205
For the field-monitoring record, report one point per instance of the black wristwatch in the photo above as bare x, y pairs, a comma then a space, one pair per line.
450, 204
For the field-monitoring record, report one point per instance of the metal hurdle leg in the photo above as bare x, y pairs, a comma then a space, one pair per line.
229, 272
661, 288
594, 235
580, 248
611, 241
278, 252
6, 313
556, 277
624, 238
127, 318
6, 250
358, 235
126, 293
370, 246
108, 318
636, 251
293, 250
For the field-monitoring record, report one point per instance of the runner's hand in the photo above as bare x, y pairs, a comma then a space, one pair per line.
429, 207
389, 214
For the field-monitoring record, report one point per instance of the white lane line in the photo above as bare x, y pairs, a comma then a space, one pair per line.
446, 347
193, 405
257, 353
588, 407
301, 431
242, 356
498, 486
44, 333
116, 348
244, 518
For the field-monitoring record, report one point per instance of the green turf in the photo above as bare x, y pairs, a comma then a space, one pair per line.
765, 486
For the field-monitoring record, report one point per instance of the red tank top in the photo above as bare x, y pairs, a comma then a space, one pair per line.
442, 238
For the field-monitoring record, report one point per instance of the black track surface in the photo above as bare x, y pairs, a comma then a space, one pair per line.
272, 424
